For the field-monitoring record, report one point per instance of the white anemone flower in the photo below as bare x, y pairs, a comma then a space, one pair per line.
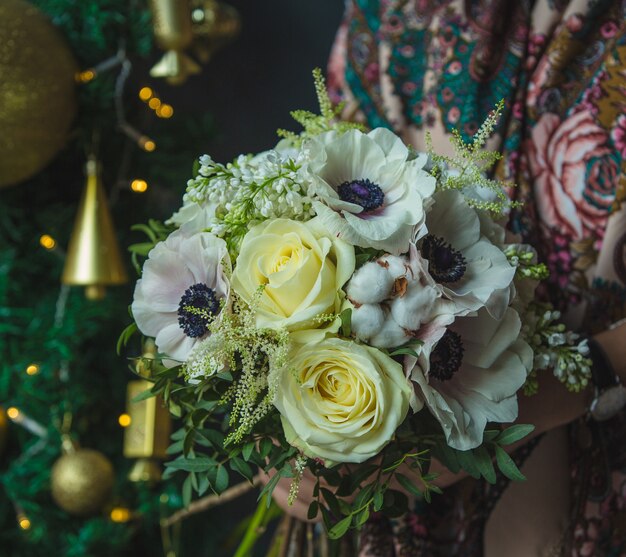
473, 271
472, 376
182, 289
368, 190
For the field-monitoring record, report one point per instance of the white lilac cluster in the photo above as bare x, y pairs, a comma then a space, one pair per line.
387, 288
228, 200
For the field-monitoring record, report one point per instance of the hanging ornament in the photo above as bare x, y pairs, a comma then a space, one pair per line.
81, 480
93, 257
171, 20
147, 435
37, 91
214, 25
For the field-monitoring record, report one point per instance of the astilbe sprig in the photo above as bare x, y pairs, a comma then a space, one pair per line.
313, 124
467, 169
253, 354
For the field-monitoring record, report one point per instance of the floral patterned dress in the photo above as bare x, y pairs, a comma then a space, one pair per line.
419, 66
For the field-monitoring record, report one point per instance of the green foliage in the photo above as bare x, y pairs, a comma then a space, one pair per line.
471, 163
313, 124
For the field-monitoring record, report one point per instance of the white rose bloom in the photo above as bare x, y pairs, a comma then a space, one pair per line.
181, 291
472, 375
340, 401
466, 263
369, 192
301, 269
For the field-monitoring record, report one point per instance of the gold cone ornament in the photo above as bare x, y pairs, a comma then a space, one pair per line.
37, 91
214, 25
81, 480
171, 22
93, 257
147, 436
4, 429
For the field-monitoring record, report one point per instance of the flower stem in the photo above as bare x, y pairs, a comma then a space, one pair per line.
255, 529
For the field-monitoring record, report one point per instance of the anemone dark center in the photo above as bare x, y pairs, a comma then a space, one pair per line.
363, 193
445, 264
197, 307
447, 357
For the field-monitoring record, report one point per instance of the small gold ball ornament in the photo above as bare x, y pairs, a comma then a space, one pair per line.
37, 91
82, 482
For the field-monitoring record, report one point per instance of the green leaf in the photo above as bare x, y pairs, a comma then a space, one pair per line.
313, 510
507, 465
203, 485
340, 528
265, 447
362, 517
243, 468
247, 450
200, 464
447, 456
484, 463
331, 501
221, 482
408, 484
143, 395
404, 350
188, 442
125, 336
514, 433
490, 435
467, 461
175, 448
361, 474
346, 321
216, 438
378, 500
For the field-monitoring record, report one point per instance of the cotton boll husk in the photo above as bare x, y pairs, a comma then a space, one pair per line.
367, 320
370, 284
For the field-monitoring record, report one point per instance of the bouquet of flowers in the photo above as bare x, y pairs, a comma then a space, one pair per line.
347, 305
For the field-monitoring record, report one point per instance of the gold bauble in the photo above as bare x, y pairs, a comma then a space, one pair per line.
82, 482
37, 91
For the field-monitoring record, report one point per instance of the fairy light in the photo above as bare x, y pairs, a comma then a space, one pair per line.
32, 369
139, 186
24, 522
147, 144
85, 76
120, 514
145, 94
154, 103
47, 241
124, 420
165, 111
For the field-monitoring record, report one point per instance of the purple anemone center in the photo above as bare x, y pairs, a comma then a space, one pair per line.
445, 264
197, 307
363, 193
447, 357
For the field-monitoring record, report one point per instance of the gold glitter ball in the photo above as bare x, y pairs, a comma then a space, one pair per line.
82, 482
37, 91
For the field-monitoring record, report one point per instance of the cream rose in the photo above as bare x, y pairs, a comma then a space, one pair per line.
302, 270
341, 401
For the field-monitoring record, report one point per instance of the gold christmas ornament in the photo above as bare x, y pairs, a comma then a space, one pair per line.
147, 435
37, 91
171, 21
82, 481
93, 257
214, 25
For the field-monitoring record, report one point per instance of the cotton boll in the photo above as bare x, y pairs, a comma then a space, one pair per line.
389, 335
371, 284
367, 320
396, 266
415, 307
